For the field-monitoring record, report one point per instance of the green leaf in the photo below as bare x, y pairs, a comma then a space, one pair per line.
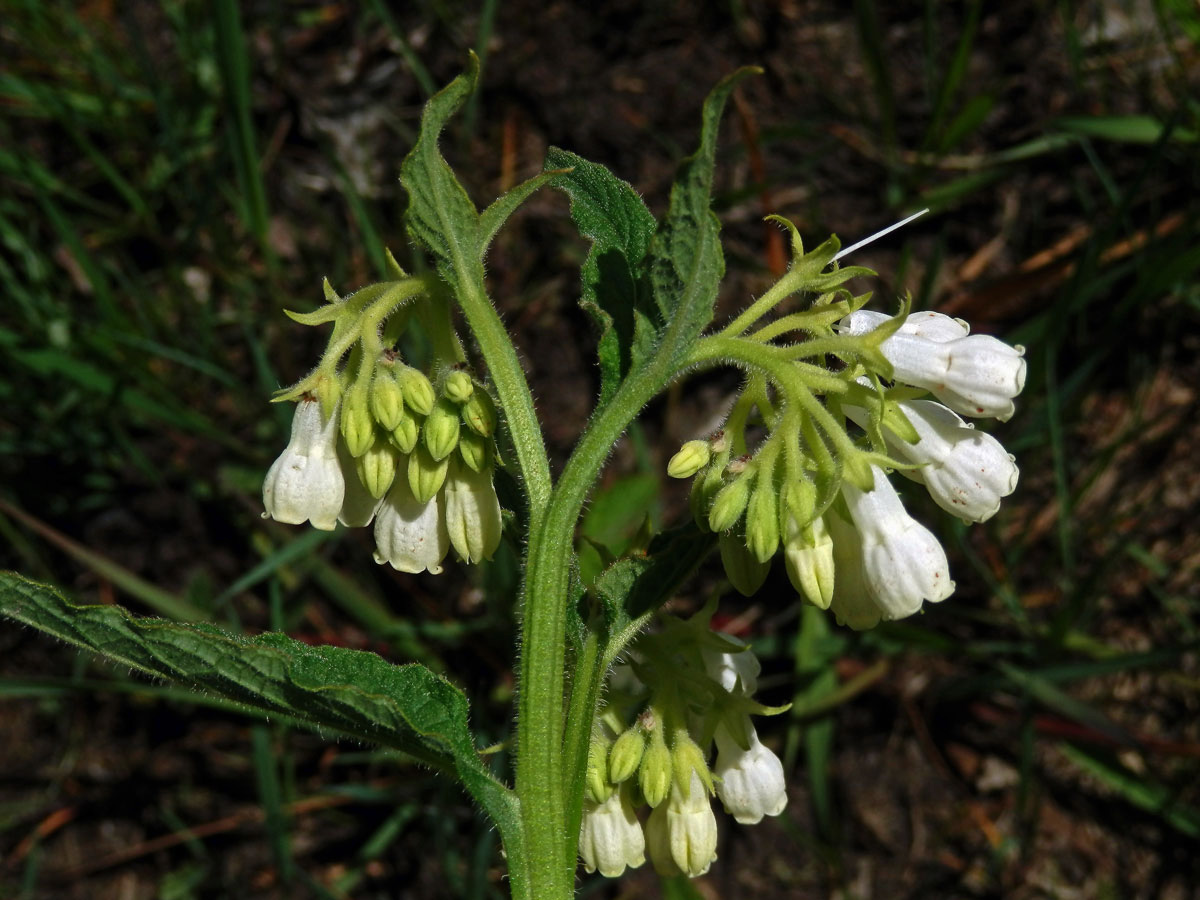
686, 263
352, 692
615, 291
505, 205
632, 588
440, 216
1123, 129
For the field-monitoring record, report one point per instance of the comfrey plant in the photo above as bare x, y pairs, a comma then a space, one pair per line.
621, 708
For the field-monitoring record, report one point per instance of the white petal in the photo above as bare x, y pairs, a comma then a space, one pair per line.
409, 534
681, 834
358, 506
305, 484
977, 375
610, 836
736, 671
904, 564
966, 471
853, 604
933, 326
751, 783
472, 513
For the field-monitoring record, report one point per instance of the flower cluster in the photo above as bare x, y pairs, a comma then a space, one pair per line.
817, 483
685, 689
380, 441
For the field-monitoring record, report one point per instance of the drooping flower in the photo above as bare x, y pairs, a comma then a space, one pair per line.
681, 834
933, 326
977, 375
306, 484
751, 781
735, 669
853, 604
409, 534
358, 506
808, 558
903, 563
967, 472
472, 513
610, 836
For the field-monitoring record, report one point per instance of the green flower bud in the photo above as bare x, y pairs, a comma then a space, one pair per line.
799, 503
440, 431
425, 474
479, 413
357, 425
458, 387
691, 458
808, 555
686, 758
729, 504
418, 392
704, 489
626, 754
377, 468
387, 400
598, 785
762, 521
475, 451
744, 571
406, 433
654, 773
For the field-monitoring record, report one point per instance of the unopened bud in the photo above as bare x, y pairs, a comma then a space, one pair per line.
475, 451
418, 392
743, 569
479, 413
458, 387
387, 400
357, 425
425, 474
626, 754
654, 773
691, 458
440, 431
377, 468
729, 504
808, 556
686, 758
799, 503
598, 785
704, 489
404, 436
762, 521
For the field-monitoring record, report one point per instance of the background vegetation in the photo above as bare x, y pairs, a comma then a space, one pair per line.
173, 175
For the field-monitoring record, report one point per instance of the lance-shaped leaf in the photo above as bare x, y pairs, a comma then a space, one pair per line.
615, 291
440, 216
686, 264
352, 692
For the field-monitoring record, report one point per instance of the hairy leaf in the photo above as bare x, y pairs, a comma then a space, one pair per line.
686, 264
615, 291
351, 691
632, 588
440, 216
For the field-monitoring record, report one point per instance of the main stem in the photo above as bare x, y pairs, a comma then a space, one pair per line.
549, 779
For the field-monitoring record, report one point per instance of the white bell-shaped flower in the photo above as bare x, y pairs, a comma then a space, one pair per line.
977, 375
735, 670
409, 534
305, 484
853, 604
927, 324
472, 513
751, 781
808, 557
610, 836
681, 834
904, 564
967, 472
